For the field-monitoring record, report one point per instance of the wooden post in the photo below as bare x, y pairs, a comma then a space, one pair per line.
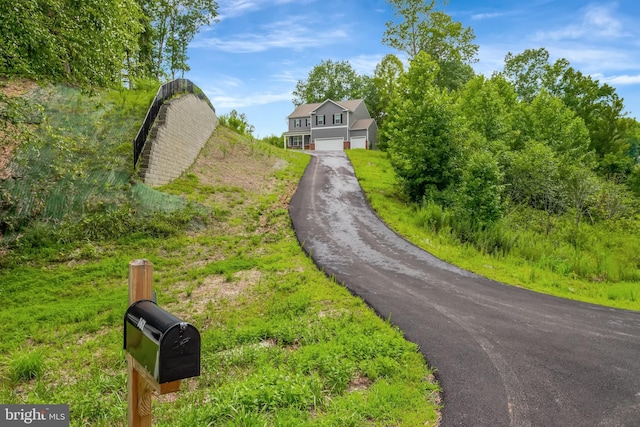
138, 390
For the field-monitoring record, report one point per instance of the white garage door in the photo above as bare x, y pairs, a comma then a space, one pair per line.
358, 142
329, 144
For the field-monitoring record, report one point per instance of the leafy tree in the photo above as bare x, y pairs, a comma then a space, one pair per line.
490, 108
580, 186
527, 71
337, 81
533, 178
599, 106
547, 119
422, 144
420, 27
87, 42
480, 194
385, 86
175, 23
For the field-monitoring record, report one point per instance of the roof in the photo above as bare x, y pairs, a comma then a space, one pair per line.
305, 110
362, 124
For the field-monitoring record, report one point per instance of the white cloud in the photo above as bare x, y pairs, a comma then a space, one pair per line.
597, 22
482, 16
288, 34
223, 99
233, 8
619, 80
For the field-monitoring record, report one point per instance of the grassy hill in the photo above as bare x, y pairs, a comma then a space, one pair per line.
281, 343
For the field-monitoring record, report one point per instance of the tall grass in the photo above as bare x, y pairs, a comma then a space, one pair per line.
597, 262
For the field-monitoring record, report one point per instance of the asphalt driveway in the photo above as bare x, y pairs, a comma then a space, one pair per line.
504, 356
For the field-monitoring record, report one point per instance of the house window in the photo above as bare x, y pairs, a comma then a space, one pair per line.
320, 119
307, 122
296, 141
297, 123
337, 119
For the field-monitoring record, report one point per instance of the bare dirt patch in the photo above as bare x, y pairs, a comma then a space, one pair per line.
214, 289
224, 161
17, 87
359, 383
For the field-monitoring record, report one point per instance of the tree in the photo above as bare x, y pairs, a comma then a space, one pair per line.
87, 42
599, 106
533, 178
527, 72
547, 119
337, 81
580, 186
384, 87
479, 196
175, 23
490, 107
422, 143
423, 28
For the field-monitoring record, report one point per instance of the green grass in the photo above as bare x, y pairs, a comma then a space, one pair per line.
596, 263
282, 344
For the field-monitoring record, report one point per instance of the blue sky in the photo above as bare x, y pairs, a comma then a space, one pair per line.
252, 58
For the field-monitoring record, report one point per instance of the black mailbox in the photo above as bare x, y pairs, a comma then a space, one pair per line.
167, 347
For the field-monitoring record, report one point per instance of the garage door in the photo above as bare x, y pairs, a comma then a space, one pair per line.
329, 144
358, 142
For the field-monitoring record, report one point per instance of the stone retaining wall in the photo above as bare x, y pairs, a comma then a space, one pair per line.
180, 131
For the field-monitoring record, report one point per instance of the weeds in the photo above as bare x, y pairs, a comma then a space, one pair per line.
25, 367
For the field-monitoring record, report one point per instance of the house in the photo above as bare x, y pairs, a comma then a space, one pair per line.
331, 125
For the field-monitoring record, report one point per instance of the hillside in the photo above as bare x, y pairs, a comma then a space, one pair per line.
282, 344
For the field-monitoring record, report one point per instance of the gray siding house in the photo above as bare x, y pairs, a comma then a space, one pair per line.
331, 125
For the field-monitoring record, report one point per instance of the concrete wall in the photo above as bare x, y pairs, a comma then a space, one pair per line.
181, 129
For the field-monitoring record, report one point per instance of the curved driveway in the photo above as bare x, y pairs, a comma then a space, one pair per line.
504, 356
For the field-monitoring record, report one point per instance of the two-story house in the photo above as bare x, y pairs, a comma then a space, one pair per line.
331, 125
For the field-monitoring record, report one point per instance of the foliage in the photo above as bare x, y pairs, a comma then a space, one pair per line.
479, 201
385, 85
98, 42
78, 157
423, 28
85, 42
596, 262
172, 24
274, 140
598, 105
489, 107
337, 81
236, 122
422, 142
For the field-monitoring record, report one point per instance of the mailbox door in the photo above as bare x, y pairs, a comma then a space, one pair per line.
180, 353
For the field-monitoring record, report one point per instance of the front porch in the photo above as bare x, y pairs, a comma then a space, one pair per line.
298, 140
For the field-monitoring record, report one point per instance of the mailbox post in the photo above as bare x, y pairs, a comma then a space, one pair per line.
161, 349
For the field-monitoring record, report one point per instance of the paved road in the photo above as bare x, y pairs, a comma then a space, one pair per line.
504, 356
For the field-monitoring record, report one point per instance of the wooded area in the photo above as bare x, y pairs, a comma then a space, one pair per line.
99, 42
